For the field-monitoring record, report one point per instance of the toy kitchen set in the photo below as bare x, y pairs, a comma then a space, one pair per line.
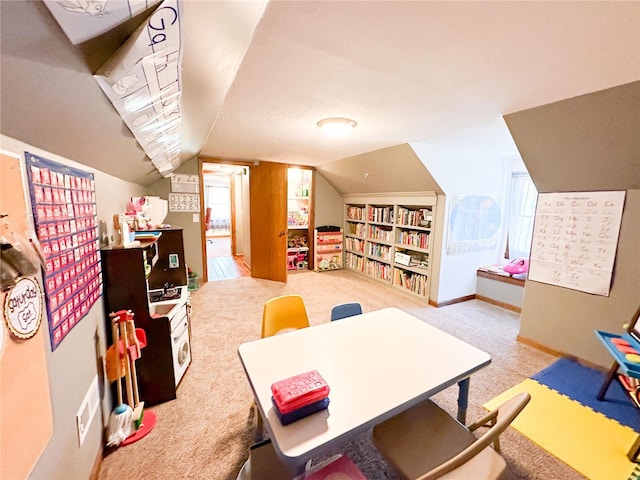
147, 274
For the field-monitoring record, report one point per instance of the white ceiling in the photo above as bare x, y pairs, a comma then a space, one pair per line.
258, 76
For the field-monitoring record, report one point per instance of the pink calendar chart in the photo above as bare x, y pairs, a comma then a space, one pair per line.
64, 210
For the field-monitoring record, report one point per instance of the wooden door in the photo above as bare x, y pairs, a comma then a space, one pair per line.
268, 213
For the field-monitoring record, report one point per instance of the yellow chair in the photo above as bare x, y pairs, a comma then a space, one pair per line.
283, 313
425, 442
286, 312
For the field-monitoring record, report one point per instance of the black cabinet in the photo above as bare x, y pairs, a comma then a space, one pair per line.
129, 275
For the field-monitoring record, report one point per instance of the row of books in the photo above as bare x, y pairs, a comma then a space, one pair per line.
381, 251
357, 229
381, 214
377, 233
355, 262
354, 244
418, 218
414, 282
378, 270
356, 213
415, 239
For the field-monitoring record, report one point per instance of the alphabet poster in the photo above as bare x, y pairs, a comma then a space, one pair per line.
64, 211
575, 239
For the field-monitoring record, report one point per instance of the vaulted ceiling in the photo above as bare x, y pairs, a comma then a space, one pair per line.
258, 76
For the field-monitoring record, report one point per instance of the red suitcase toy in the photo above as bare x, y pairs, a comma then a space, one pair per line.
299, 391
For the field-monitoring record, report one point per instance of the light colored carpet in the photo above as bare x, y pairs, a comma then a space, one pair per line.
206, 432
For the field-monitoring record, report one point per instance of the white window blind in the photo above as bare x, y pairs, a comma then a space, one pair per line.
522, 207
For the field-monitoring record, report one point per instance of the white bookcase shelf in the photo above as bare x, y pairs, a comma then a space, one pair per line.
388, 237
328, 246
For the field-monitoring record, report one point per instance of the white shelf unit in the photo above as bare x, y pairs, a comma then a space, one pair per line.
299, 218
328, 249
388, 237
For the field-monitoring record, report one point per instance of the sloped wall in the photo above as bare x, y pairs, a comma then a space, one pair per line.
587, 143
393, 169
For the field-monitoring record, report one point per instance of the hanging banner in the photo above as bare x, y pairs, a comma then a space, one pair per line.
64, 211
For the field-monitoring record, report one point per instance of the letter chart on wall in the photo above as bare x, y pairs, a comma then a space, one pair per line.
575, 238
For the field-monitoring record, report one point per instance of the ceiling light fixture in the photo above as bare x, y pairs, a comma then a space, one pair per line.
336, 127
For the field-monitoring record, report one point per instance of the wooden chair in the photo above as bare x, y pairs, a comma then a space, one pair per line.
345, 310
425, 442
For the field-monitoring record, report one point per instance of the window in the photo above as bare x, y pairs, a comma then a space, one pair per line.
522, 207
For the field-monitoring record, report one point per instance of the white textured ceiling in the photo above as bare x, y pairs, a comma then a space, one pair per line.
409, 71
256, 79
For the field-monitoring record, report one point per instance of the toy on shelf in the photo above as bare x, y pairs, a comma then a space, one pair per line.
297, 253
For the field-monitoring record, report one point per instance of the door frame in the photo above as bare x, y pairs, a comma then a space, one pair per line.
203, 235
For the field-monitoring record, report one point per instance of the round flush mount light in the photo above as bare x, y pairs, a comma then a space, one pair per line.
337, 127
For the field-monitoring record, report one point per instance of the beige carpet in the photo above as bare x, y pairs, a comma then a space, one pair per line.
206, 432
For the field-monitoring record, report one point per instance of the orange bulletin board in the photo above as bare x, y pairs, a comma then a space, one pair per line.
26, 422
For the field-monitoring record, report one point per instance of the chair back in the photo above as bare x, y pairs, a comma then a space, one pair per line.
282, 313
503, 416
345, 310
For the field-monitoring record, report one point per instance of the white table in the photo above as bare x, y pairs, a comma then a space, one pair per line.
376, 364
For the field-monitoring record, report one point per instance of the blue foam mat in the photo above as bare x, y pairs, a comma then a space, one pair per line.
581, 383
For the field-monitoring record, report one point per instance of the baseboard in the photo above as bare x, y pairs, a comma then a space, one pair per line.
498, 303
433, 303
558, 353
539, 346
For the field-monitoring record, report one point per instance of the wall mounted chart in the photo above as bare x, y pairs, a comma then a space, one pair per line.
575, 238
64, 211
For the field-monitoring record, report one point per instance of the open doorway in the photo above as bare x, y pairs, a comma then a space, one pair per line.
225, 225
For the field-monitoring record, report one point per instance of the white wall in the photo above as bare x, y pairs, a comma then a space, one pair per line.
329, 206
460, 169
77, 360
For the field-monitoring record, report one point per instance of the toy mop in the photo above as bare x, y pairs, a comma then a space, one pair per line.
129, 421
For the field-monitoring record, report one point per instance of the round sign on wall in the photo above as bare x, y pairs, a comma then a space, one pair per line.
23, 308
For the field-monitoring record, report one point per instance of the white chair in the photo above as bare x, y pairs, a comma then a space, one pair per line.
425, 442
